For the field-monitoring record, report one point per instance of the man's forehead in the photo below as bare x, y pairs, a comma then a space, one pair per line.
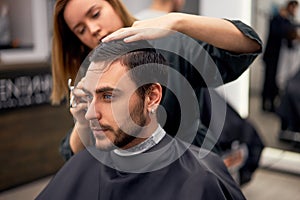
106, 67
98, 66
102, 73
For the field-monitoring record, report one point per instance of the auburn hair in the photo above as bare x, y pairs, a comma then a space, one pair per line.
68, 52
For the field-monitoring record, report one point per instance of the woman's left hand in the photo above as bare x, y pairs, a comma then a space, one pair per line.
145, 30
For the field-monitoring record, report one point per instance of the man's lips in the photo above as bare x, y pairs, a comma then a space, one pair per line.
99, 132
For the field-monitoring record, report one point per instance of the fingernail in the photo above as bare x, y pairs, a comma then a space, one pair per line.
104, 39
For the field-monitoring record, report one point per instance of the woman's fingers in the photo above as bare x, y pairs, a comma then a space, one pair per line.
78, 93
78, 113
144, 29
119, 34
79, 109
78, 103
134, 34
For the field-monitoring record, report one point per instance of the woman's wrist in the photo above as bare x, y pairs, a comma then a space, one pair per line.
79, 137
177, 21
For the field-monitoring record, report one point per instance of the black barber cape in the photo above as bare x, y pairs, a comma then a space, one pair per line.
155, 174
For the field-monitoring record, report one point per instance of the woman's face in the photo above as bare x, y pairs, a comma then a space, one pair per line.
91, 20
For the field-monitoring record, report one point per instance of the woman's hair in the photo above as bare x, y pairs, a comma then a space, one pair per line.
68, 52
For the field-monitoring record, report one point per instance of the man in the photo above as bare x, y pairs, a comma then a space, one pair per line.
281, 28
134, 158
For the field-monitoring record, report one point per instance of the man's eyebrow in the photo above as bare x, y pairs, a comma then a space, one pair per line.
107, 89
86, 14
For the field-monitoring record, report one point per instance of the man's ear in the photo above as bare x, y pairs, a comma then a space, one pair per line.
153, 97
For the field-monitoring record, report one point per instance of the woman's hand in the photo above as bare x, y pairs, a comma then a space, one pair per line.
80, 136
78, 104
145, 29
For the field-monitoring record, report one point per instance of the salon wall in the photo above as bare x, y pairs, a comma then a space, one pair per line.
237, 92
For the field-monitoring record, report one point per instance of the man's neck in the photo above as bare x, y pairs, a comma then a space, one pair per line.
142, 144
146, 132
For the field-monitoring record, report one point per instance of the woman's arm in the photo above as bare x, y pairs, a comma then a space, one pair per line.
80, 136
76, 143
220, 33
72, 143
217, 32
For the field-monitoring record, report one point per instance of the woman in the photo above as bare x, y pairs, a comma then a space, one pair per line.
80, 25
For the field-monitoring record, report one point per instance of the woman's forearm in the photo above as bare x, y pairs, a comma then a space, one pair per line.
220, 33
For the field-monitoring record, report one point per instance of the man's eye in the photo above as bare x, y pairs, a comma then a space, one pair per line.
107, 97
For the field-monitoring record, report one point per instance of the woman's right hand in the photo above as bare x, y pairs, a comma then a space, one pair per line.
80, 136
78, 104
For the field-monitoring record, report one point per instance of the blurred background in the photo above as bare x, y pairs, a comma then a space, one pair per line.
31, 129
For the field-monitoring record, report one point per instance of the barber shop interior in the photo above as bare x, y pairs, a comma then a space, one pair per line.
233, 132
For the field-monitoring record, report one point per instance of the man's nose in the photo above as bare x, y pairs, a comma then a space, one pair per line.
91, 112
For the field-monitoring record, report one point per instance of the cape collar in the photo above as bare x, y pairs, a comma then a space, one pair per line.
154, 139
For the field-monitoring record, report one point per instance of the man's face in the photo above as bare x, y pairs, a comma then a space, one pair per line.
116, 112
292, 10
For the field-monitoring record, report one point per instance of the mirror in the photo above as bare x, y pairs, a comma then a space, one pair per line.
271, 135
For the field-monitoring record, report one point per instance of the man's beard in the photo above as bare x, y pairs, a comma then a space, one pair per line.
128, 131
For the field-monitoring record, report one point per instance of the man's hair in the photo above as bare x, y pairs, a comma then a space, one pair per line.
145, 64
292, 3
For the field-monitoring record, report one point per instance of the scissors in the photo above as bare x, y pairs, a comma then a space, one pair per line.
71, 88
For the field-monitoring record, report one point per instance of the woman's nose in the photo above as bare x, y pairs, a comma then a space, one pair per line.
94, 28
